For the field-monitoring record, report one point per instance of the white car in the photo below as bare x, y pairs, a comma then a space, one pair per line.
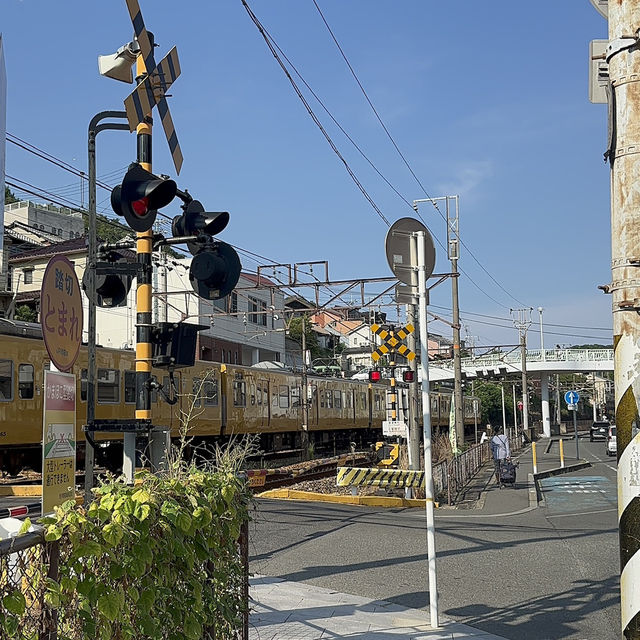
612, 446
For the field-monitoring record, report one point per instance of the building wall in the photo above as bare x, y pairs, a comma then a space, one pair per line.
60, 221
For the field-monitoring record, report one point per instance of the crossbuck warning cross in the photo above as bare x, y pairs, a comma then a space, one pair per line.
152, 90
391, 343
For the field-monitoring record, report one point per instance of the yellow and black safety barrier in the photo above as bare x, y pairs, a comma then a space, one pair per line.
358, 477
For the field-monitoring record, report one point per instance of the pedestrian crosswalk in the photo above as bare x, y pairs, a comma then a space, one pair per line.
562, 493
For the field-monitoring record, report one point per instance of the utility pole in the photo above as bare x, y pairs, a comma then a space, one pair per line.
454, 253
522, 320
304, 439
623, 57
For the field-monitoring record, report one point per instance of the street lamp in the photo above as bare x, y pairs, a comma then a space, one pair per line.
540, 310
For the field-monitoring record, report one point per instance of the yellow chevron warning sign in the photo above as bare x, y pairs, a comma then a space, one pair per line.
357, 477
391, 342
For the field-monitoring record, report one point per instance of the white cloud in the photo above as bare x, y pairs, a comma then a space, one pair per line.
467, 178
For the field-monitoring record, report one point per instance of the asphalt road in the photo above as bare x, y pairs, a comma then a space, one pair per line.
550, 572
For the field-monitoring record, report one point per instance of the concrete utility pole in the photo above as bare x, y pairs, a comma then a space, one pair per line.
522, 320
623, 57
304, 436
454, 253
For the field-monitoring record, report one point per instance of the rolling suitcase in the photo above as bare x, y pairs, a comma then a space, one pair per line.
507, 472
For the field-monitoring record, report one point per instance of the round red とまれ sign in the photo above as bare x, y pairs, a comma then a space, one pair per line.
61, 312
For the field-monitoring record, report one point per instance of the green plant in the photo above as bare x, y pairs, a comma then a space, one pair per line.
156, 560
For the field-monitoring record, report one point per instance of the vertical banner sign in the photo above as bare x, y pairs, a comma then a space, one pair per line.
453, 437
58, 440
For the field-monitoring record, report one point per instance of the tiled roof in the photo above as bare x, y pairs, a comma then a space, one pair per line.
253, 277
73, 245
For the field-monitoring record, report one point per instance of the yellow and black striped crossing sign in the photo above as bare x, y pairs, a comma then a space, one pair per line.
151, 91
357, 477
391, 342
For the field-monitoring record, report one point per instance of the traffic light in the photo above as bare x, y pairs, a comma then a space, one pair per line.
140, 196
375, 375
408, 376
113, 280
215, 267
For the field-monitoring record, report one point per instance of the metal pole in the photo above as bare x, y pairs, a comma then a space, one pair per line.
542, 353
92, 251
575, 429
414, 437
504, 410
144, 249
515, 408
426, 428
624, 74
525, 394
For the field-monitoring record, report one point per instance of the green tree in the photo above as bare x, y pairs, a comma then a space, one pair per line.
25, 313
491, 402
9, 196
295, 333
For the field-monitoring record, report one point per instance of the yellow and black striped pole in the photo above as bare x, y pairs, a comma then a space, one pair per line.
144, 248
392, 364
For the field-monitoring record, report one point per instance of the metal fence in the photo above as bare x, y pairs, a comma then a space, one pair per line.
28, 561
450, 476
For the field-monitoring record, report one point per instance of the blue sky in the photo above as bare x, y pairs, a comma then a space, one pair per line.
488, 101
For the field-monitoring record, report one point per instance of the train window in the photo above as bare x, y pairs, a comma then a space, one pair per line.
314, 395
349, 398
129, 387
210, 393
6, 380
363, 399
283, 396
295, 396
83, 385
329, 395
196, 390
265, 394
259, 393
25, 381
252, 393
337, 399
239, 393
434, 405
377, 402
108, 386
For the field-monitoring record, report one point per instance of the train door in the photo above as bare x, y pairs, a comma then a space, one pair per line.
313, 404
263, 407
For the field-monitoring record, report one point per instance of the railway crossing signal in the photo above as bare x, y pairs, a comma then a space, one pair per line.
114, 275
391, 343
152, 90
140, 196
215, 267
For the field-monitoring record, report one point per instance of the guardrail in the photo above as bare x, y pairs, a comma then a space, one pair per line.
450, 476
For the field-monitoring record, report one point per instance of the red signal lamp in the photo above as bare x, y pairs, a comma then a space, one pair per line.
140, 207
375, 375
408, 376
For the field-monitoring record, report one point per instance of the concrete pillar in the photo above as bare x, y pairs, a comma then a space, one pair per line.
546, 417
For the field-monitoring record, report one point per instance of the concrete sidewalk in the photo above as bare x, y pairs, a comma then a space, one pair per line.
282, 610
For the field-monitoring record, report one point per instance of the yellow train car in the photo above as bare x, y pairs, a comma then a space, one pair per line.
217, 400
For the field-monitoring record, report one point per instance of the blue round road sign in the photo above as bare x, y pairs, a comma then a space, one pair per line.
571, 397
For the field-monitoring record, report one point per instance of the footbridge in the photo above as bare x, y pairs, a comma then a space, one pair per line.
538, 362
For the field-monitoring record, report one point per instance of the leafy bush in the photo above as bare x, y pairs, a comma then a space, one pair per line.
155, 561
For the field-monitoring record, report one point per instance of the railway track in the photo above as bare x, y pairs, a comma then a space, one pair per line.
265, 479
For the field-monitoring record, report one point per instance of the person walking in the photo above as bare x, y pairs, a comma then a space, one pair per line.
500, 450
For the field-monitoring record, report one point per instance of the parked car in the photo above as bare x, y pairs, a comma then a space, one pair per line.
599, 429
612, 444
